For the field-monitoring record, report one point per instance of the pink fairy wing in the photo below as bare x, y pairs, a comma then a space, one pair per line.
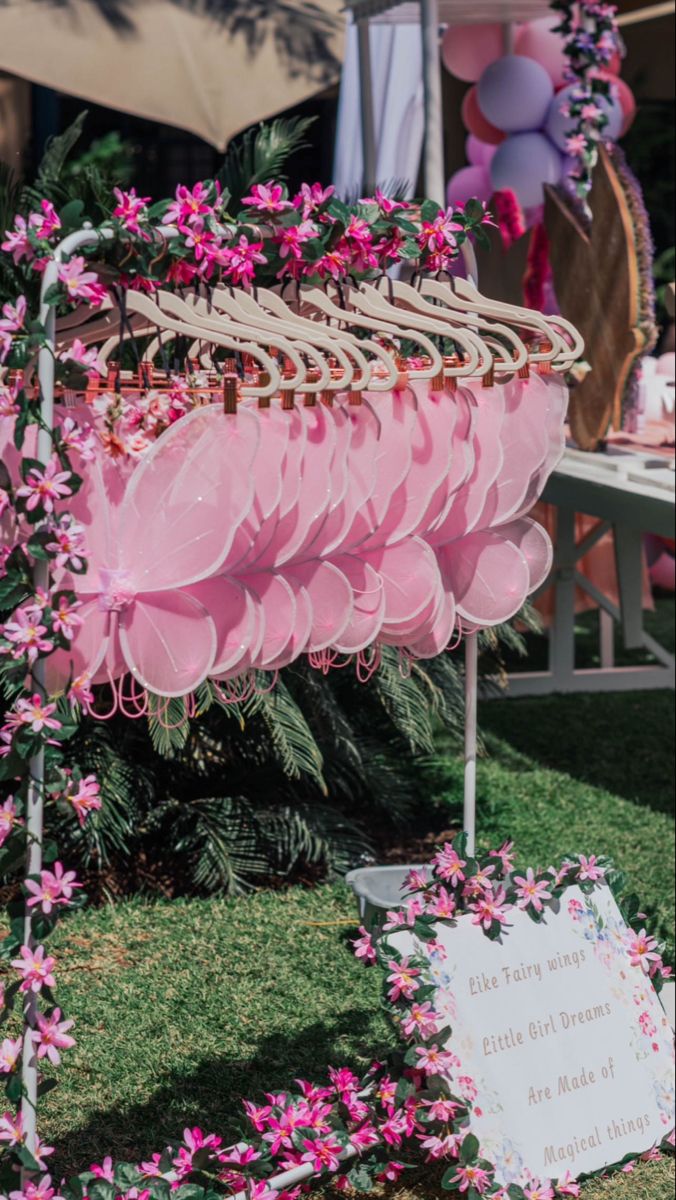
463, 424
301, 630
368, 605
278, 602
268, 470
439, 636
535, 544
396, 412
86, 652
330, 596
231, 608
487, 575
488, 458
96, 506
168, 641
553, 394
187, 497
410, 578
402, 633
524, 442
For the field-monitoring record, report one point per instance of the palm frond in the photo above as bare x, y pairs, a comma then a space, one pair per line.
260, 155
291, 737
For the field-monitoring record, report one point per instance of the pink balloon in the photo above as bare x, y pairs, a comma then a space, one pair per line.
479, 154
536, 40
515, 93
476, 123
470, 183
467, 50
627, 100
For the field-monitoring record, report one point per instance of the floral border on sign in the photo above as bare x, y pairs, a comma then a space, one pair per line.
486, 887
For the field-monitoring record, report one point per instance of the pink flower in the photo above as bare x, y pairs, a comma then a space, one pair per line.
8, 819
489, 908
567, 1186
439, 234
199, 238
187, 206
44, 487
404, 979
240, 1156
434, 1061
130, 209
333, 265
422, 1020
292, 238
65, 619
539, 1191
78, 353
267, 197
17, 242
27, 634
472, 1177
576, 145
68, 545
10, 1053
575, 909
48, 223
52, 1036
11, 1129
85, 797
392, 1173
312, 197
448, 865
13, 315
80, 693
505, 856
642, 950
34, 713
529, 891
441, 1110
386, 205
242, 259
260, 1191
40, 1189
79, 283
324, 1153
35, 969
364, 948
589, 868
364, 1138
104, 1171
55, 888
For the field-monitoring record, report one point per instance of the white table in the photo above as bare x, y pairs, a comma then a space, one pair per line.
631, 493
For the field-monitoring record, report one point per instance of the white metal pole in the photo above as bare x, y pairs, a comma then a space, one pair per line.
435, 180
368, 117
471, 693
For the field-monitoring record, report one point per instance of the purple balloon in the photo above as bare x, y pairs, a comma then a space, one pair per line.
479, 154
560, 128
470, 183
515, 94
523, 164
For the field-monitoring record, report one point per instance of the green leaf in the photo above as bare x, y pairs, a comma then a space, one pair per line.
469, 1149
447, 1180
430, 210
102, 1190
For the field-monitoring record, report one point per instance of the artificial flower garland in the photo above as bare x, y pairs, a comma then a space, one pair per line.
310, 236
592, 41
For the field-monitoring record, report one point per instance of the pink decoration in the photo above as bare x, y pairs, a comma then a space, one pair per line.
626, 99
524, 164
467, 50
476, 123
559, 125
479, 154
470, 183
515, 93
536, 40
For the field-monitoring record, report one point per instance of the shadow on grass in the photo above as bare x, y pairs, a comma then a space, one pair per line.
210, 1096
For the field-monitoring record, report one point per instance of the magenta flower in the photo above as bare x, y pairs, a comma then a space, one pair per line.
332, 265
242, 260
17, 242
260, 1191
364, 1138
8, 820
539, 1191
27, 634
422, 1021
13, 316
188, 205
34, 713
364, 948
11, 1129
36, 1189
292, 239
576, 144
489, 908
267, 197
104, 1170
55, 888
52, 1036
472, 1177
505, 856
441, 1110
392, 1173
437, 1148
78, 353
80, 692
35, 969
404, 979
434, 1061
130, 209
439, 234
10, 1053
79, 283
529, 891
589, 868
65, 619
68, 544
642, 950
312, 197
448, 865
85, 797
324, 1153
44, 487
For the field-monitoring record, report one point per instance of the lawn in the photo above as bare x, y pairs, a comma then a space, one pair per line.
183, 1008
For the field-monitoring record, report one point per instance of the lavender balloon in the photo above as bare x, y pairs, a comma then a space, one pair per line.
515, 93
523, 164
470, 183
559, 127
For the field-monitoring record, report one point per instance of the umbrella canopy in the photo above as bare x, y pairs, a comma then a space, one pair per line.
212, 67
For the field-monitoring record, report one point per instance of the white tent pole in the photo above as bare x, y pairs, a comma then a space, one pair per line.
435, 181
368, 118
471, 693
509, 37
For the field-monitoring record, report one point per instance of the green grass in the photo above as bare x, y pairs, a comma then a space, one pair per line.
184, 1008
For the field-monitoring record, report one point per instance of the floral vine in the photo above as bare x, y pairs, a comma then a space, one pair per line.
488, 887
592, 40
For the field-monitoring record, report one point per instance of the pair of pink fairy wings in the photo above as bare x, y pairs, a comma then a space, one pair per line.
242, 541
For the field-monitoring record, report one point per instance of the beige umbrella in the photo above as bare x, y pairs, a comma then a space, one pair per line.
212, 67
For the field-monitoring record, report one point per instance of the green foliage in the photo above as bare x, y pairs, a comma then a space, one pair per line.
260, 155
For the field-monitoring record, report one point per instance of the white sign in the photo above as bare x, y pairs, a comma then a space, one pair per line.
563, 1046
